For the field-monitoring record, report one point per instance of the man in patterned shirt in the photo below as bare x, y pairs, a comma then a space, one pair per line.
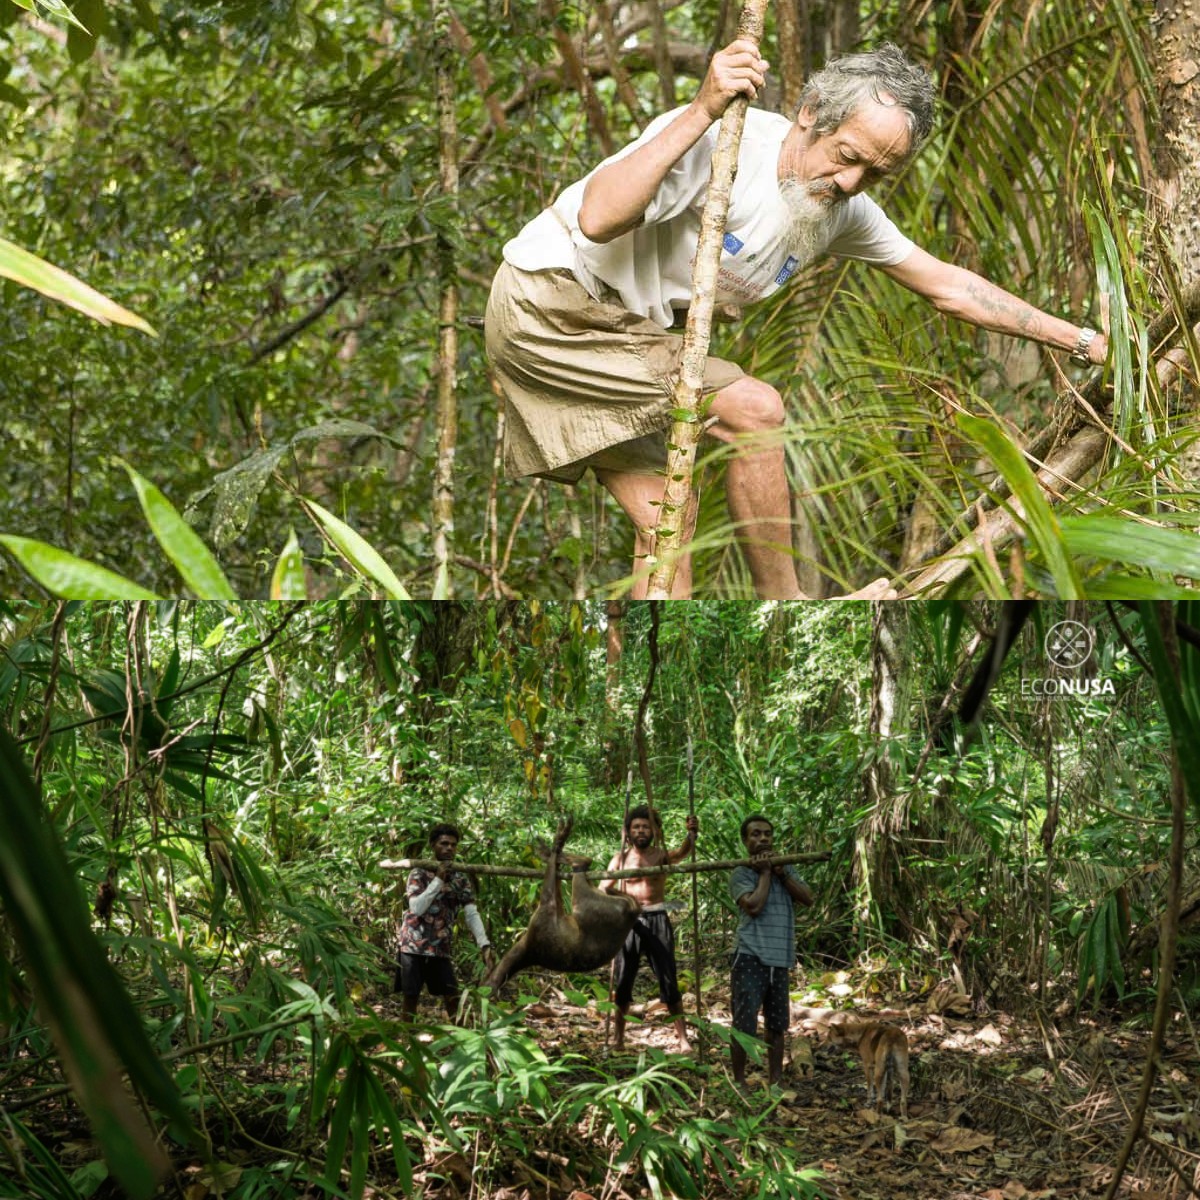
426, 930
766, 946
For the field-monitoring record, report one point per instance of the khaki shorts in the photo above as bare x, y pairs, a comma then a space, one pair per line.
588, 383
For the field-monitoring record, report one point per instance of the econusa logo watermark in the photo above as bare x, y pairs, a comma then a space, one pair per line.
1068, 646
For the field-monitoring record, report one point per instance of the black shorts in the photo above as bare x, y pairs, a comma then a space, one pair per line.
652, 937
428, 970
757, 987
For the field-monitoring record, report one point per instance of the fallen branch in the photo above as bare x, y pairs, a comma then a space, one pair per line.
1069, 463
409, 864
1073, 445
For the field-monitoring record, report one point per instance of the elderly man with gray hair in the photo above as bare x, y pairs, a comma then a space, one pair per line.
579, 323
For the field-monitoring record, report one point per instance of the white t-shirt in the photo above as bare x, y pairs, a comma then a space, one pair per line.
650, 267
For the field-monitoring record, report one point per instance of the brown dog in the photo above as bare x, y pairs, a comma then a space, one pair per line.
884, 1053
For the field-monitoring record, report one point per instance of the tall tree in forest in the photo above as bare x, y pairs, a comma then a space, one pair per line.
446, 60
1176, 187
1175, 190
887, 806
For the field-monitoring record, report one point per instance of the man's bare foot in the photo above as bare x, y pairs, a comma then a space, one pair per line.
683, 1046
880, 589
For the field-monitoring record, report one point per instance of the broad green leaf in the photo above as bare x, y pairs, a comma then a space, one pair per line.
58, 8
72, 578
355, 549
287, 580
33, 272
1110, 282
192, 558
1040, 522
216, 637
1172, 551
95, 1026
1119, 586
1185, 729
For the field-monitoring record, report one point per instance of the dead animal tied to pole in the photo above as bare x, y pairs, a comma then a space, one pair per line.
584, 938
407, 864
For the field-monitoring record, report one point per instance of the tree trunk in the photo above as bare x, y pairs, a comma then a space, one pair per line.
663, 62
792, 67
612, 51
1175, 190
447, 357
877, 836
575, 69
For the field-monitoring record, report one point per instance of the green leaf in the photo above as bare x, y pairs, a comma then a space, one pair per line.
362, 557
58, 8
33, 272
1040, 522
73, 578
1185, 729
287, 580
385, 1114
192, 558
95, 1026
1172, 551
1119, 586
216, 636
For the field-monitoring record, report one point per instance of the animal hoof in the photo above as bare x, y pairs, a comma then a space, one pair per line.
564, 831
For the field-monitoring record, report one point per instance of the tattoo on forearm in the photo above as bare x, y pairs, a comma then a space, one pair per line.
1006, 311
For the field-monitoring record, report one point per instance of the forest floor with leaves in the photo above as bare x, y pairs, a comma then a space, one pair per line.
1000, 1108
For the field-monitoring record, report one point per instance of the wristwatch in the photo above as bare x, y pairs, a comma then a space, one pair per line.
1079, 353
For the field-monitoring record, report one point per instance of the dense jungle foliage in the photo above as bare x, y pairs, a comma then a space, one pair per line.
263, 183
198, 800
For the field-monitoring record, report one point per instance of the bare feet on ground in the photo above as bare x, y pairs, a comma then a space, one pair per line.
879, 589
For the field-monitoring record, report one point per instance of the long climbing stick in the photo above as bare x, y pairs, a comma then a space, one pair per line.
691, 769
687, 425
565, 871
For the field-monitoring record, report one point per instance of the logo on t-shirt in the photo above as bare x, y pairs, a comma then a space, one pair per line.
732, 244
787, 270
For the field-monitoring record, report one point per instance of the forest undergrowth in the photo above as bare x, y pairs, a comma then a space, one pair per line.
527, 1099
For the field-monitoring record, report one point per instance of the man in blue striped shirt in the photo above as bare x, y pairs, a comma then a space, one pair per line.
766, 946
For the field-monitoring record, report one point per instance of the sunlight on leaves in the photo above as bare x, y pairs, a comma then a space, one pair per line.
33, 272
363, 558
183, 546
63, 574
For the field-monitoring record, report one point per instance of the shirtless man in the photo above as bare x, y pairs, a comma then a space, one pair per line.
652, 934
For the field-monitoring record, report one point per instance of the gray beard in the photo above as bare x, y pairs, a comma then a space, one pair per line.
808, 218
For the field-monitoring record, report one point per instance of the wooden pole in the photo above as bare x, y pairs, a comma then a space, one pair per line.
612, 966
691, 768
429, 864
442, 509
687, 426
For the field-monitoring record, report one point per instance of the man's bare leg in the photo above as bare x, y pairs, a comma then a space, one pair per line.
640, 497
681, 1037
756, 489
